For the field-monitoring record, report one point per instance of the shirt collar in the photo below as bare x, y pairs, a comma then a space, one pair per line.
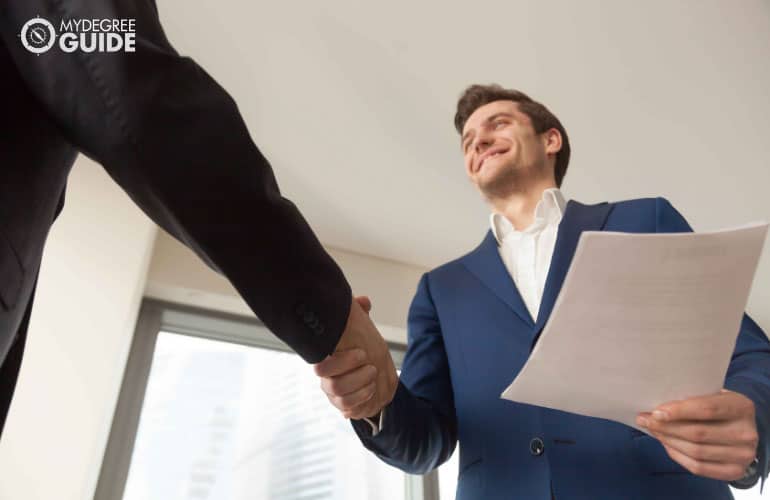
549, 209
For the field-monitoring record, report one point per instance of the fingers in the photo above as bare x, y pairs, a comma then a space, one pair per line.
714, 470
340, 362
726, 405
355, 405
349, 382
713, 436
733, 432
346, 384
360, 344
718, 453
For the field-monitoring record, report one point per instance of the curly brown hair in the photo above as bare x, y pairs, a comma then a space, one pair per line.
543, 120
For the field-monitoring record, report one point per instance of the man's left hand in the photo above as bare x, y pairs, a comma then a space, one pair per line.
713, 436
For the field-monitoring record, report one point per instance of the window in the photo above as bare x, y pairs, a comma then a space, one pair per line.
222, 420
447, 476
215, 407
750, 494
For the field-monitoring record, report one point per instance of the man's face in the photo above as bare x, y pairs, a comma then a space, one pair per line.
502, 150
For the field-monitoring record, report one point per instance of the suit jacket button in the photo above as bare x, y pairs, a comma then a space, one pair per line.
319, 330
536, 447
308, 317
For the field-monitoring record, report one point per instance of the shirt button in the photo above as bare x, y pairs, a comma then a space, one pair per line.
536, 447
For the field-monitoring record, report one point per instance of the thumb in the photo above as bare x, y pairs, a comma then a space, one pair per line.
364, 302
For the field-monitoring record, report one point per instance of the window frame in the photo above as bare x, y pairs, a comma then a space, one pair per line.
156, 316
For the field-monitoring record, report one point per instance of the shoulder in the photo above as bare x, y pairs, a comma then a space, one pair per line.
638, 203
658, 213
657, 202
653, 207
449, 271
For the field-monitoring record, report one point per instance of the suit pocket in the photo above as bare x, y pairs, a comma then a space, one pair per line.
652, 457
11, 274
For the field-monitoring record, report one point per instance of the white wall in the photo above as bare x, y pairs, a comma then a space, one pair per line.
90, 288
177, 275
659, 97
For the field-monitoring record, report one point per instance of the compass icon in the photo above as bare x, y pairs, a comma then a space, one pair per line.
38, 35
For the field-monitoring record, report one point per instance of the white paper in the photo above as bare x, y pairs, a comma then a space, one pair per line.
642, 319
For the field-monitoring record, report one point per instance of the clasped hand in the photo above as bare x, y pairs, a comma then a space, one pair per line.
359, 378
713, 436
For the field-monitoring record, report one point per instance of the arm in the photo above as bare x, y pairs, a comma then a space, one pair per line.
724, 427
419, 427
175, 142
749, 374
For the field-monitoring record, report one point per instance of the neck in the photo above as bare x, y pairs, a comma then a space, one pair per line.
518, 206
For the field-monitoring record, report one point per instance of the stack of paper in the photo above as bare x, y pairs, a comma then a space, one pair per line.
642, 319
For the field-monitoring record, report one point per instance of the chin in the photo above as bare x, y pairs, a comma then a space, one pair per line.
502, 182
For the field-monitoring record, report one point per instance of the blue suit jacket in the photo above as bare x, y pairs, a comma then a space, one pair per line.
469, 335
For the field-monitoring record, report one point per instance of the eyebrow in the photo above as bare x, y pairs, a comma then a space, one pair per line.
488, 120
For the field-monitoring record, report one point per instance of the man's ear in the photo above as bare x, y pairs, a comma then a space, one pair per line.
552, 139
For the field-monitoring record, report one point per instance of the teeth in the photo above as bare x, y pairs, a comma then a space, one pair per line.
488, 157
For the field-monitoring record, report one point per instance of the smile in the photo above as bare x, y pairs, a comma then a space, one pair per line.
490, 155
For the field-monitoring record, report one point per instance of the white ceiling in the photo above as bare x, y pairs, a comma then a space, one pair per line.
352, 101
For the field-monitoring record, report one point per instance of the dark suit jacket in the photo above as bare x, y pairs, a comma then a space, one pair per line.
175, 142
469, 335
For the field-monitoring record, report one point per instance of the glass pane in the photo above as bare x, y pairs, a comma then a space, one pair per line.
751, 494
222, 421
447, 476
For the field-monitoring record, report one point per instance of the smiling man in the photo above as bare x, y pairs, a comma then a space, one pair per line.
473, 322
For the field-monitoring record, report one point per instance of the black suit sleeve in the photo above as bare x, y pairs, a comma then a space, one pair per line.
175, 142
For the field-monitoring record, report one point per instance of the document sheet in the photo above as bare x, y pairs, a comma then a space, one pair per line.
642, 319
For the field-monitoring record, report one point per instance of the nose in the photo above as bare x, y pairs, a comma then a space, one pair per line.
482, 142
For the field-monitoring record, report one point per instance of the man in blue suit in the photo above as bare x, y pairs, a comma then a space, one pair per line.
474, 321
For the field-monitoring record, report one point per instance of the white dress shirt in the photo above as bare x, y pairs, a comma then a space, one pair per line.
527, 254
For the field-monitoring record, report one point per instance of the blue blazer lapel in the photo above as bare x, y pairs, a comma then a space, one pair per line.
577, 218
485, 263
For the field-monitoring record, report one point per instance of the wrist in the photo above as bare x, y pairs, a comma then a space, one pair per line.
749, 478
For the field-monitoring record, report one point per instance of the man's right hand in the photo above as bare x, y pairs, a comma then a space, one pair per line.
359, 378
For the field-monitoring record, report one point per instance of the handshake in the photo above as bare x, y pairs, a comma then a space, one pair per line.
359, 377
